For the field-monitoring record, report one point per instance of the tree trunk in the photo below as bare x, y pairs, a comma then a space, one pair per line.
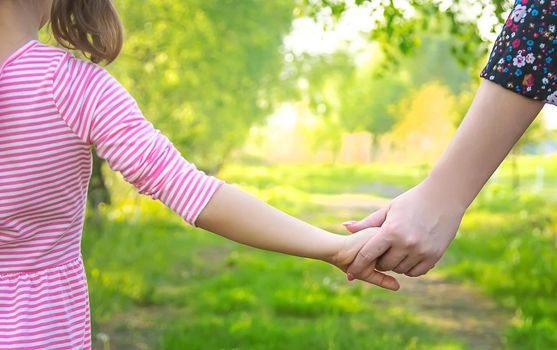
98, 192
514, 171
217, 166
374, 152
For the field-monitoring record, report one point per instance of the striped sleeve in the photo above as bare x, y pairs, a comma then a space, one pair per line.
101, 112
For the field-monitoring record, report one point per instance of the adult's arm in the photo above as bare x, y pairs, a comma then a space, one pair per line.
417, 227
520, 75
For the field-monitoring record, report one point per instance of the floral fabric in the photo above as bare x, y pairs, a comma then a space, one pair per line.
523, 58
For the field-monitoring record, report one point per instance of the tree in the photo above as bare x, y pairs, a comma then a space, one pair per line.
365, 100
202, 71
424, 122
535, 133
357, 98
320, 79
399, 24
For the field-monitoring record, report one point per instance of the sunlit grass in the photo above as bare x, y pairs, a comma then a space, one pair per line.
203, 292
227, 296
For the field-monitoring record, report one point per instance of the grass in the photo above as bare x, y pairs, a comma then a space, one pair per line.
203, 292
507, 245
225, 296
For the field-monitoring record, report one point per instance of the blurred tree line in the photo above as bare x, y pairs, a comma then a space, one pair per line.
204, 72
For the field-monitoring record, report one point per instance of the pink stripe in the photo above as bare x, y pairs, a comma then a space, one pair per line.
53, 106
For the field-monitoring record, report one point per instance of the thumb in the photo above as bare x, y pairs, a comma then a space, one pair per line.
363, 266
375, 219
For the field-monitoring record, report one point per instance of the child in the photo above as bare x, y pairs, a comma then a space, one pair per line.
53, 107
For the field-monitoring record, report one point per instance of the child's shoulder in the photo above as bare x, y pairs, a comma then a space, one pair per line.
41, 54
60, 60
64, 69
40, 48
35, 58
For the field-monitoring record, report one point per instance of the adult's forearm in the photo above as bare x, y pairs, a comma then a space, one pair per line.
242, 218
495, 121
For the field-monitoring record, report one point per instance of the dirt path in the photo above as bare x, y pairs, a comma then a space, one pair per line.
459, 310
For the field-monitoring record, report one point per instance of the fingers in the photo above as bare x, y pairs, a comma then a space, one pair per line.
374, 248
407, 264
382, 280
376, 219
420, 269
391, 259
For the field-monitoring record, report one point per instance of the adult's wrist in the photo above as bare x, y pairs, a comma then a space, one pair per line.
451, 195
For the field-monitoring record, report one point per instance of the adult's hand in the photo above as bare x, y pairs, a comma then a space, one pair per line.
417, 226
415, 230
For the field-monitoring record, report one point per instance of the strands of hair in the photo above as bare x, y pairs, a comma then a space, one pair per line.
90, 26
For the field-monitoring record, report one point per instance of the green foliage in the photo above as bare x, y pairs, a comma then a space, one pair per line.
201, 291
358, 98
507, 245
535, 133
399, 24
325, 179
433, 61
204, 71
365, 100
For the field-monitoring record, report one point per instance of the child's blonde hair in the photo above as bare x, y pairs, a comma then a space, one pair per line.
90, 26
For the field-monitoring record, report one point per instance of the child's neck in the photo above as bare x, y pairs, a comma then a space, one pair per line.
18, 25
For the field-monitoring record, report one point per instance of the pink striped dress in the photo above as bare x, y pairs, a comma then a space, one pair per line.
53, 107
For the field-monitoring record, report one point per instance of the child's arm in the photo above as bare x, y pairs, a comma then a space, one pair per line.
101, 112
240, 217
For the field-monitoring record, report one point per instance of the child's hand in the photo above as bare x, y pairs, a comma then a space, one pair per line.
350, 247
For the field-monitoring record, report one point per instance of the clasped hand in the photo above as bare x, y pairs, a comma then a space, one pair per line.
412, 233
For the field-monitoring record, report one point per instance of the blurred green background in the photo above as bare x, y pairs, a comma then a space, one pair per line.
325, 109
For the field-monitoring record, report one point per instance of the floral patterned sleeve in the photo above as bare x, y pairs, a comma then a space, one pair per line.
523, 58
